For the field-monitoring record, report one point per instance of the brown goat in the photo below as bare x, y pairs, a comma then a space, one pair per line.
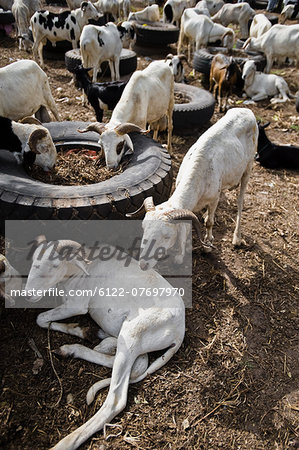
224, 75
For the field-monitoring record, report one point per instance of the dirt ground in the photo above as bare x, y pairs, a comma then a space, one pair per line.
234, 382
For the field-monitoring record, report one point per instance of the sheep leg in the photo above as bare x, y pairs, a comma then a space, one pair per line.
116, 68
244, 181
50, 103
209, 222
220, 97
269, 64
87, 354
138, 369
112, 71
136, 338
48, 319
170, 121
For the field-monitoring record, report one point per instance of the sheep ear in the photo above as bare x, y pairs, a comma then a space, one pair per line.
34, 137
81, 266
83, 6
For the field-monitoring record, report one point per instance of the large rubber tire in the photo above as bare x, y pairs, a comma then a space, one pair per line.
203, 58
148, 173
6, 18
127, 64
197, 112
152, 34
260, 4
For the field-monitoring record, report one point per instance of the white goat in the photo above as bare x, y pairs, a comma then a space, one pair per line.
260, 25
220, 159
148, 14
259, 86
22, 11
98, 44
28, 88
238, 13
201, 29
136, 325
29, 141
287, 12
108, 7
209, 7
173, 10
147, 98
280, 42
124, 7
67, 26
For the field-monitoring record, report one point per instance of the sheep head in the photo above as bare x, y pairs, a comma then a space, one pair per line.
164, 229
115, 142
53, 262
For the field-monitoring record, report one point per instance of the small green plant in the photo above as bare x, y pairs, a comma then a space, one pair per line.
294, 127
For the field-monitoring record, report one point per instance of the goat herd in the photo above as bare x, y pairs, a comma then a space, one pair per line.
222, 158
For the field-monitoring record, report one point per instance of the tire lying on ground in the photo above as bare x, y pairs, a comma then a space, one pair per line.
203, 58
197, 111
148, 173
155, 33
127, 64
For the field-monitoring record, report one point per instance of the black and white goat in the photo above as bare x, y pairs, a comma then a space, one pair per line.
101, 96
175, 62
273, 156
29, 141
67, 26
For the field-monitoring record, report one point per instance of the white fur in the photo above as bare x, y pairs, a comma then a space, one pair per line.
201, 29
259, 86
220, 159
28, 88
135, 325
280, 42
238, 13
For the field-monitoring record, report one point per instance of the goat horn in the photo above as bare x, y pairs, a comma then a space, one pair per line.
40, 239
34, 137
97, 127
265, 125
31, 120
147, 205
169, 56
183, 214
125, 128
60, 246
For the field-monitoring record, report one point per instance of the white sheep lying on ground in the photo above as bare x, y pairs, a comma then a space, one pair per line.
137, 324
220, 159
259, 86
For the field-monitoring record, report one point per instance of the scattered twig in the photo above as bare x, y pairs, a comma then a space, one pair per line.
54, 370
